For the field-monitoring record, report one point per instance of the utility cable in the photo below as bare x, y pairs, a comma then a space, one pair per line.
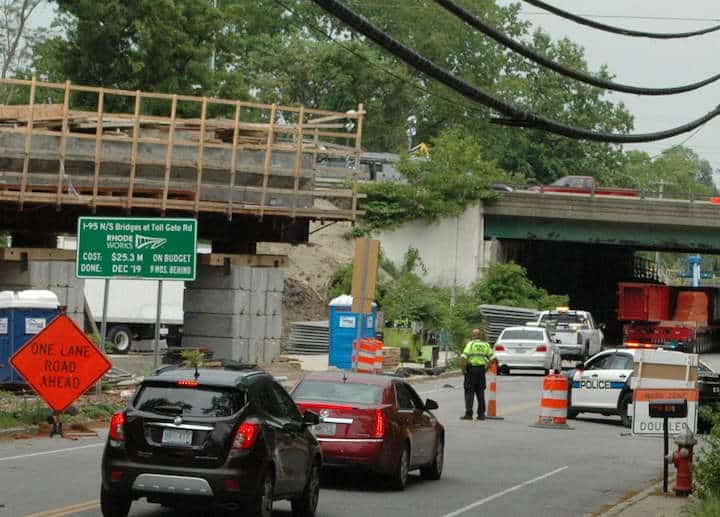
618, 30
516, 116
530, 54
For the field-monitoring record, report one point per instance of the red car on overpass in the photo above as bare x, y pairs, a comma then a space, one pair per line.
374, 421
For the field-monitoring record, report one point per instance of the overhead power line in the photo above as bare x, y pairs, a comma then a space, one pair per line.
516, 116
618, 30
529, 53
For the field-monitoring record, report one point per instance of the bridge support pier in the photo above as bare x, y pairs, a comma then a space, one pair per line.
236, 311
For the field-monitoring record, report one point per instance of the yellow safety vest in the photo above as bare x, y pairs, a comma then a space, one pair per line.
477, 353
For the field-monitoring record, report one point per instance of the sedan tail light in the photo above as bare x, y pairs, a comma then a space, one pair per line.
541, 348
499, 348
117, 427
379, 423
246, 436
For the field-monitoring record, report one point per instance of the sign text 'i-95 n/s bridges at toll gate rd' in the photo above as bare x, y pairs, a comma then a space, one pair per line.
158, 248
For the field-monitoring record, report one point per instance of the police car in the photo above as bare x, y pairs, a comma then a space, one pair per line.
602, 385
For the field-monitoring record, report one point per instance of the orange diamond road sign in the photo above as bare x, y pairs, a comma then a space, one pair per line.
60, 363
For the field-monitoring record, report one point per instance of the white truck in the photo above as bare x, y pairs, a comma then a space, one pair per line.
132, 305
578, 336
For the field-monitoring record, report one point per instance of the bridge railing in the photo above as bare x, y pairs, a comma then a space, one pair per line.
68, 144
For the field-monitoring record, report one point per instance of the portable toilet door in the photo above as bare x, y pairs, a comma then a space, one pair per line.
6, 299
31, 311
343, 327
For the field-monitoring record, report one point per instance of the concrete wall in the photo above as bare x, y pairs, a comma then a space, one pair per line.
236, 312
452, 248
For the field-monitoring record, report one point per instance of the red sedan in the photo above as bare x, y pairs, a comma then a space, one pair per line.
374, 421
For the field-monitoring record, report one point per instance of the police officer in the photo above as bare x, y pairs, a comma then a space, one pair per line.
475, 357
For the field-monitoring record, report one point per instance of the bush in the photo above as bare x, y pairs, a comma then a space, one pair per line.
706, 507
706, 470
508, 284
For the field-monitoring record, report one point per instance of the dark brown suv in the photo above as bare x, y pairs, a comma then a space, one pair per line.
211, 438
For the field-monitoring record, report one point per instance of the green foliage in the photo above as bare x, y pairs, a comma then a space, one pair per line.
706, 470
455, 175
706, 507
678, 171
508, 284
192, 358
403, 295
261, 51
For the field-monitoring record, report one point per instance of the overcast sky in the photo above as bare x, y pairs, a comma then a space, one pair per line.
651, 63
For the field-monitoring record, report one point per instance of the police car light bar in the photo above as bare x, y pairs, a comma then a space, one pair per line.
635, 344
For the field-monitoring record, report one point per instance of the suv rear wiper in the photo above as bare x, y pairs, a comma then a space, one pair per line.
174, 409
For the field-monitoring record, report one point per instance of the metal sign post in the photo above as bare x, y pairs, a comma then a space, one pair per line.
103, 327
156, 345
667, 409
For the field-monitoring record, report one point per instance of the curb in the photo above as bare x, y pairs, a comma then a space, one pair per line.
624, 505
19, 430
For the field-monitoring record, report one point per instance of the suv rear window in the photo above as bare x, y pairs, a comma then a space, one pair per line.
328, 391
201, 401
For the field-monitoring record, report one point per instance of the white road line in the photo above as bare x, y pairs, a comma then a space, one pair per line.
57, 451
504, 492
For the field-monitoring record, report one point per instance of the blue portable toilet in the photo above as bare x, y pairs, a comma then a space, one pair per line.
22, 315
343, 325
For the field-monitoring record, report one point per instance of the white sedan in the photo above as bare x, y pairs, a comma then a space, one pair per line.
526, 348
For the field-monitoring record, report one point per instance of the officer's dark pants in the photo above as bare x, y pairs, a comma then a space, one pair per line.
474, 387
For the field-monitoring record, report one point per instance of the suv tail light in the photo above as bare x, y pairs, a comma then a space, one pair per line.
117, 427
188, 383
541, 348
379, 423
246, 436
499, 348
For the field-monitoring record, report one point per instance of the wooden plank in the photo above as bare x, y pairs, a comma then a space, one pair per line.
233, 159
133, 152
268, 156
218, 259
63, 145
365, 267
169, 153
20, 254
358, 153
98, 148
28, 144
200, 151
298, 160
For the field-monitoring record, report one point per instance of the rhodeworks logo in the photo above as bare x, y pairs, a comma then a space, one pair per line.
142, 242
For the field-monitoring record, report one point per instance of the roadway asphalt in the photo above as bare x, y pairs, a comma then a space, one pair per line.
503, 467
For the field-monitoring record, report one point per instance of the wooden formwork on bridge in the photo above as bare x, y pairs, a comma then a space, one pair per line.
67, 144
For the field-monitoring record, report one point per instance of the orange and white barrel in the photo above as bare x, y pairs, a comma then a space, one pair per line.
378, 355
553, 403
366, 356
491, 378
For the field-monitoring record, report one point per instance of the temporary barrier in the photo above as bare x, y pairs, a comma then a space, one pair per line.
553, 403
365, 355
378, 356
491, 378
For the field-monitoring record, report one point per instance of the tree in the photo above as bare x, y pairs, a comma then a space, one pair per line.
679, 171
455, 175
15, 37
262, 51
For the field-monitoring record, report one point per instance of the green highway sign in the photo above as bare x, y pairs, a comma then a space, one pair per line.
151, 248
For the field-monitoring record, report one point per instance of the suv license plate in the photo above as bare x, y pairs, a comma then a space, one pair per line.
325, 429
177, 437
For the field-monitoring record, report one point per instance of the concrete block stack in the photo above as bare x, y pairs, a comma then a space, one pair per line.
53, 275
235, 311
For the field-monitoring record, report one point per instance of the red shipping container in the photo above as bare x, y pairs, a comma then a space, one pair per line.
643, 302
